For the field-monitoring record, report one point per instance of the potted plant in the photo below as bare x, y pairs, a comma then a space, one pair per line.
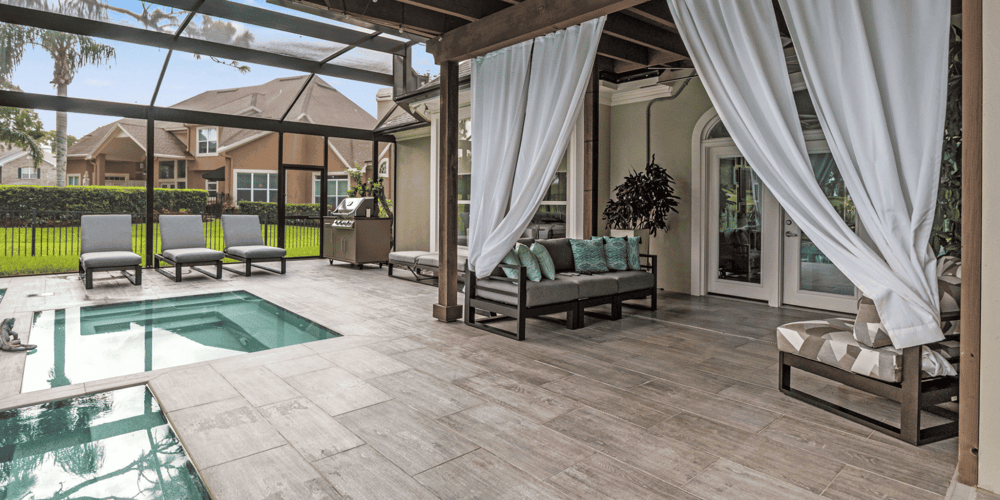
641, 204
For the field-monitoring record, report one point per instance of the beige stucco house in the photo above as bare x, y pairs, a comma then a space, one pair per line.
18, 169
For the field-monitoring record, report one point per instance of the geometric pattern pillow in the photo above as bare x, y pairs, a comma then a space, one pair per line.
529, 261
634, 264
615, 253
868, 329
512, 259
588, 256
949, 284
544, 261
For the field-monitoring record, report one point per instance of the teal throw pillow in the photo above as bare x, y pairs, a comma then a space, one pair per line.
615, 253
634, 264
512, 259
529, 261
544, 261
588, 256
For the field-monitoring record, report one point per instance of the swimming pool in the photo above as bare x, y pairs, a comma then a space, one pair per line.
82, 344
114, 444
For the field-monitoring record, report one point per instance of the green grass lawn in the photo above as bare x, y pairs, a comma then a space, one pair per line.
57, 249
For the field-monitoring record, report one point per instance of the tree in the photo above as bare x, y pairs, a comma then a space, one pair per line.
18, 127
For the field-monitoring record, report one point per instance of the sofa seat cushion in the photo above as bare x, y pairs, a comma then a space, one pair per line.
630, 281
539, 293
109, 259
432, 260
256, 252
186, 255
831, 341
594, 285
409, 256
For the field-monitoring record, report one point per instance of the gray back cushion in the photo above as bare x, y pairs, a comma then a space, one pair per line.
561, 252
105, 233
241, 230
181, 231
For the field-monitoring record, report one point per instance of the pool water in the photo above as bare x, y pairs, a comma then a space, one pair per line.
82, 344
114, 444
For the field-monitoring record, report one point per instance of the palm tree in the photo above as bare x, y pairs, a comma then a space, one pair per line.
13, 38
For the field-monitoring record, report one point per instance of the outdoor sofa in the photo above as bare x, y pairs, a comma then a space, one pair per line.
244, 242
519, 299
182, 243
859, 354
106, 245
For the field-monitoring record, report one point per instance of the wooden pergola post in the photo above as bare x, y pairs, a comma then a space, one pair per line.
447, 308
591, 130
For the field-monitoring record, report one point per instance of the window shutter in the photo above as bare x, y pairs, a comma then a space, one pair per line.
18, 173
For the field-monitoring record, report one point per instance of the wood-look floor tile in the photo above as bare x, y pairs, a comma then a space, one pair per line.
364, 473
293, 367
664, 458
431, 396
528, 400
601, 477
678, 373
336, 391
189, 387
611, 400
522, 442
667, 353
771, 398
274, 474
312, 432
516, 367
856, 484
365, 363
481, 476
606, 352
444, 367
726, 411
726, 480
222, 431
396, 346
411, 441
601, 371
260, 386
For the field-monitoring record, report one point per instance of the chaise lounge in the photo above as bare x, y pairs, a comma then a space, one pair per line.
245, 243
182, 242
106, 245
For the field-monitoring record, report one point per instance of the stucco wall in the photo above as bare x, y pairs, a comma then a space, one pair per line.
413, 194
989, 399
672, 125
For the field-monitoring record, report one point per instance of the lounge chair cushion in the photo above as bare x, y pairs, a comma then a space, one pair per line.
182, 231
595, 285
186, 255
561, 252
588, 256
538, 293
831, 341
109, 259
105, 233
241, 230
410, 256
630, 281
432, 260
868, 329
949, 285
256, 252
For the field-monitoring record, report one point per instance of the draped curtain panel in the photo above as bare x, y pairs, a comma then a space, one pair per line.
499, 97
736, 50
880, 93
561, 63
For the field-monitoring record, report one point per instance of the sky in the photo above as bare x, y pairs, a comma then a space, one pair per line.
131, 77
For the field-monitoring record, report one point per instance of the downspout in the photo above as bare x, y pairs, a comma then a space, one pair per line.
649, 110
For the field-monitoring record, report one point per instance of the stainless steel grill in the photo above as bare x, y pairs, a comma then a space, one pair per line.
356, 235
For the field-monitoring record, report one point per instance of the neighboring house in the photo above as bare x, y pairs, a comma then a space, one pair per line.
17, 168
230, 163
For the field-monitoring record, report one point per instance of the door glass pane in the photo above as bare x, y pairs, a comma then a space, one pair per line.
740, 192
816, 272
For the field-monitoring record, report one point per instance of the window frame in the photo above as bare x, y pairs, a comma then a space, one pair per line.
236, 189
175, 180
332, 176
36, 170
78, 177
198, 142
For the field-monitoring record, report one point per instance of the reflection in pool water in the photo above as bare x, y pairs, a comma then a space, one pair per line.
108, 445
82, 344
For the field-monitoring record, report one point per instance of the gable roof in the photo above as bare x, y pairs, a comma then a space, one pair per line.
9, 154
166, 143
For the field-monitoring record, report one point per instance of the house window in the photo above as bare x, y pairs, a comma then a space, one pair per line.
173, 174
213, 189
336, 190
73, 180
383, 168
208, 140
29, 173
256, 186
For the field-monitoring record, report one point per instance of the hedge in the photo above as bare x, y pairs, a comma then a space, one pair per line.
270, 210
100, 199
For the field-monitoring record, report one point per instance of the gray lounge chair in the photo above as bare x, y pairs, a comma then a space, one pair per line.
106, 245
244, 243
182, 241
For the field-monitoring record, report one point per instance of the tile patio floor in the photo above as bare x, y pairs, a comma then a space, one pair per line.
679, 405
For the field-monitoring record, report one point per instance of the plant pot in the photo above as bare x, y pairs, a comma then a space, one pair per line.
634, 233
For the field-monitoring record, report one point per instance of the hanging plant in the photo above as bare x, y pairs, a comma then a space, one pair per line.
643, 201
946, 236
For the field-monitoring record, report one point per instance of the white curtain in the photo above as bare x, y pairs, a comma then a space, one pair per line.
880, 93
499, 97
735, 47
561, 63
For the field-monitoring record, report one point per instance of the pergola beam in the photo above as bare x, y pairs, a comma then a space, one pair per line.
622, 50
645, 34
518, 23
387, 13
87, 27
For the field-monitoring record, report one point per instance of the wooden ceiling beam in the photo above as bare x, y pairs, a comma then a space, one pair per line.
656, 11
469, 11
645, 34
392, 13
518, 23
621, 50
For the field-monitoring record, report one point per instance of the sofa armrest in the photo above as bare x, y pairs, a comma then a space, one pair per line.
650, 265
472, 282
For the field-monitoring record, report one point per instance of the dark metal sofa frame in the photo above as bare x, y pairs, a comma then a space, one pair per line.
176, 275
251, 262
914, 394
88, 275
416, 270
574, 309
